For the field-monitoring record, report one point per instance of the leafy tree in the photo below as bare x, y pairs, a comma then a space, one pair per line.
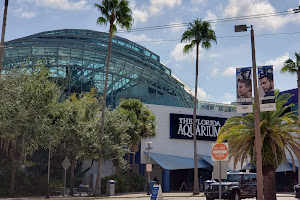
144, 124
279, 135
198, 33
113, 12
113, 144
27, 106
79, 115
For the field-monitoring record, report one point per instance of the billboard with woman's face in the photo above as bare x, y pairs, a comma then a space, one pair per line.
244, 90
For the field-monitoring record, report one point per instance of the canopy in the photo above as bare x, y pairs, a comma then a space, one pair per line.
170, 162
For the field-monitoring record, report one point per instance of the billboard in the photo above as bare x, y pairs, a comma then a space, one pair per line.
266, 88
244, 90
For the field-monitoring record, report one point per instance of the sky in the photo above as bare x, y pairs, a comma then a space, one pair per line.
277, 37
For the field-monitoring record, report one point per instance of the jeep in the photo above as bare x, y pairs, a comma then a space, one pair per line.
238, 185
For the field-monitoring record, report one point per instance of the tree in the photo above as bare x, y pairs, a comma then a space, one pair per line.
294, 68
113, 144
28, 99
198, 33
113, 12
279, 135
144, 124
79, 116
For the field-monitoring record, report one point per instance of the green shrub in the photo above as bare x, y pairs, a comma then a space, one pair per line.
123, 184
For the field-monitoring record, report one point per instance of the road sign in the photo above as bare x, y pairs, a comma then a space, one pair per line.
219, 152
66, 163
149, 168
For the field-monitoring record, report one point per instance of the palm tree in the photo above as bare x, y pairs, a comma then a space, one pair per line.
197, 33
279, 135
3, 34
144, 124
113, 12
294, 68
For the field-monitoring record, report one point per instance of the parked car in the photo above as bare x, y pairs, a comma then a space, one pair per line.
238, 185
297, 190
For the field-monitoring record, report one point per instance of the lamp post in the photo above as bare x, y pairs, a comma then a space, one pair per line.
148, 171
240, 28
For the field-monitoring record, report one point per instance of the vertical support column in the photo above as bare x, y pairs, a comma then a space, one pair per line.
166, 180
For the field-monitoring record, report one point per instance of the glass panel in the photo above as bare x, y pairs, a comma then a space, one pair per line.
25, 51
63, 52
37, 51
51, 51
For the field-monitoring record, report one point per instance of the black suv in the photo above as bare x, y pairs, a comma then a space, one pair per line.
238, 185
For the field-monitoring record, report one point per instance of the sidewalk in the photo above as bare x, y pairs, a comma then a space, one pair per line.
129, 195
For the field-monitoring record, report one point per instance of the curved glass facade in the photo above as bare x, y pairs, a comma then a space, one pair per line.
77, 58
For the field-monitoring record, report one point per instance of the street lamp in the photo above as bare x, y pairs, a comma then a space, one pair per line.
241, 28
148, 171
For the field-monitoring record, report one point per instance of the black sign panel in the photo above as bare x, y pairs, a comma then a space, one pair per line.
207, 128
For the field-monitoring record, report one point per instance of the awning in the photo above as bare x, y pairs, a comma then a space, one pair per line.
170, 162
207, 159
284, 167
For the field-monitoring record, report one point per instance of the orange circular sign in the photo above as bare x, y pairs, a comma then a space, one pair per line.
219, 152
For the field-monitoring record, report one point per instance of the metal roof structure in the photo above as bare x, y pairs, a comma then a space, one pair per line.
77, 61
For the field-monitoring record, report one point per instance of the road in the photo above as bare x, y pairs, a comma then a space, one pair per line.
196, 198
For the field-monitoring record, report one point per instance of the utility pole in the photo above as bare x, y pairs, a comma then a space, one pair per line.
260, 194
3, 35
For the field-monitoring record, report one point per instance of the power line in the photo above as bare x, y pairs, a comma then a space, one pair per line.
229, 36
150, 28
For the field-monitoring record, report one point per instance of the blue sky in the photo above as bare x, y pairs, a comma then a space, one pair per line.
276, 38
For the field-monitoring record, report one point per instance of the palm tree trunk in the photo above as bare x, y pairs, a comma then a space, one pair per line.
196, 182
3, 34
269, 182
98, 180
72, 178
298, 86
97, 191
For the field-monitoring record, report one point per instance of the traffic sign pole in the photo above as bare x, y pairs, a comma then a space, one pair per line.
219, 153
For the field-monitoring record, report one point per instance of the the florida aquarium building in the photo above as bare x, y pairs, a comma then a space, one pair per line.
77, 61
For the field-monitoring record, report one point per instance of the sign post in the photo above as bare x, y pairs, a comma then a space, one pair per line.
65, 164
219, 153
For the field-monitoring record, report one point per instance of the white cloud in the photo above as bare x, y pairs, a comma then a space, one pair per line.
138, 38
178, 54
23, 14
278, 62
237, 8
230, 71
157, 5
202, 95
61, 4
211, 16
139, 15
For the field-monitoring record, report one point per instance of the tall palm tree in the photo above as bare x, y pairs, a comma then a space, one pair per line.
3, 34
198, 33
113, 12
144, 124
279, 136
294, 68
